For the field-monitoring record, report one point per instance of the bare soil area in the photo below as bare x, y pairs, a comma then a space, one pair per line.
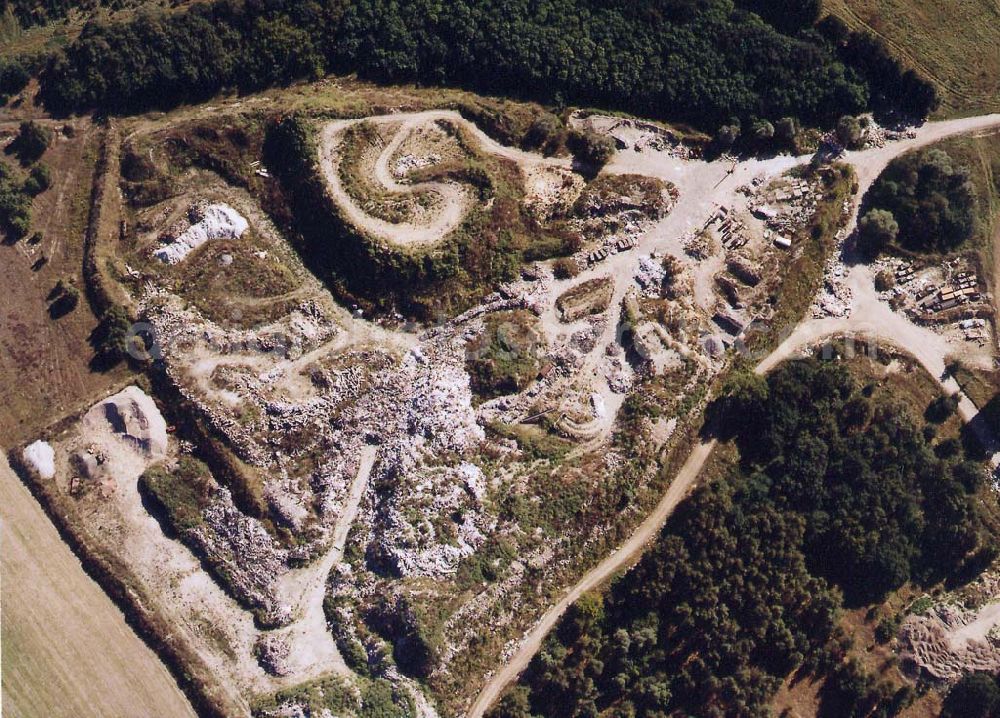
67, 650
44, 362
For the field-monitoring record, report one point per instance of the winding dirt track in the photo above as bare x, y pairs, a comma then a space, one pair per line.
455, 199
868, 165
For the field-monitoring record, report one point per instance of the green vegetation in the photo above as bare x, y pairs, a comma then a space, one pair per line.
951, 43
15, 204
877, 230
836, 492
504, 358
14, 77
184, 493
591, 149
700, 61
31, 142
930, 197
975, 696
378, 699
495, 238
110, 338
39, 179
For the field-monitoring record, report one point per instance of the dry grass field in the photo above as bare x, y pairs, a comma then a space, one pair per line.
953, 42
44, 362
66, 649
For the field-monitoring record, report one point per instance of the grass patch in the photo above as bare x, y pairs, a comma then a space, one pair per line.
535, 441
504, 358
183, 493
590, 297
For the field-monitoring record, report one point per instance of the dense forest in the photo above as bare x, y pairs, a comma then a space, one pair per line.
838, 498
705, 61
930, 197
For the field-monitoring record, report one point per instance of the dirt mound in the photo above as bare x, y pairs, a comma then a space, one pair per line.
41, 458
133, 416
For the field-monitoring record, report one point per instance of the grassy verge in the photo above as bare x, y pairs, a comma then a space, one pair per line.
952, 43
813, 244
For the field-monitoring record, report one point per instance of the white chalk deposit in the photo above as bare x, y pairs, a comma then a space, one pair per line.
220, 221
42, 458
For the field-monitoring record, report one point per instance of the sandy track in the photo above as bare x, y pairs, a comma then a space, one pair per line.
624, 556
455, 200
697, 195
313, 649
67, 650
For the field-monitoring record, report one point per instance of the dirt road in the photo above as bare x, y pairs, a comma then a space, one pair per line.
67, 650
693, 180
313, 649
455, 199
621, 558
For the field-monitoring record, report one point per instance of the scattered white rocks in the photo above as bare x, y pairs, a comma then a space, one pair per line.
650, 276
408, 163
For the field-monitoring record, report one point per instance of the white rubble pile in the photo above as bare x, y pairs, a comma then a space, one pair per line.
408, 163
834, 298
619, 374
650, 276
216, 221
42, 458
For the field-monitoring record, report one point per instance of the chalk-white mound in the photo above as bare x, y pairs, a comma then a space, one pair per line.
42, 458
133, 416
220, 221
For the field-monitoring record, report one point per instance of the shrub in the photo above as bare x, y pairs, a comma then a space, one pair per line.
849, 132
876, 231
565, 268
762, 130
786, 129
727, 135
39, 179
545, 133
31, 142
110, 338
592, 149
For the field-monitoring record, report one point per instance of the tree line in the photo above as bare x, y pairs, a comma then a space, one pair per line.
709, 62
839, 497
